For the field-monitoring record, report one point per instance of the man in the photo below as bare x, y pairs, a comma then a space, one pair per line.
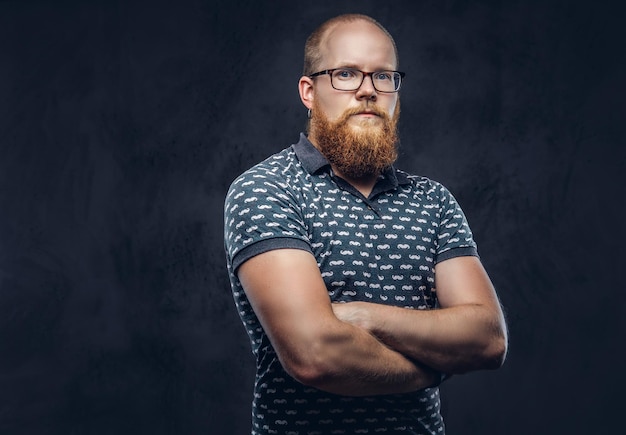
358, 284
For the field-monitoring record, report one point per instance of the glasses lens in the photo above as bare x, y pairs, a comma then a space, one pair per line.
386, 81
346, 79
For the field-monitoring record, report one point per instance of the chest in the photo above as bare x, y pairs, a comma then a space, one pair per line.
381, 251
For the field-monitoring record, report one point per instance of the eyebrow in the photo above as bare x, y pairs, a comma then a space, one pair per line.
354, 66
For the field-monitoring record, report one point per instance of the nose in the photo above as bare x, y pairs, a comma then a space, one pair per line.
367, 90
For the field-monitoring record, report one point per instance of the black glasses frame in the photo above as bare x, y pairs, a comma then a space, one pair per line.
365, 74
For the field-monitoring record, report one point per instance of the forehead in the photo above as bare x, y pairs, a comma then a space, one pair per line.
359, 44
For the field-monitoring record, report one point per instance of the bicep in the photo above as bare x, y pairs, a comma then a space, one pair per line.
288, 295
464, 281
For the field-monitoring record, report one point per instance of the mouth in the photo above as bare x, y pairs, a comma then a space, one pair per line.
367, 114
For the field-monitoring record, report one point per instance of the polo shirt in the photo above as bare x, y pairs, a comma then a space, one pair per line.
382, 249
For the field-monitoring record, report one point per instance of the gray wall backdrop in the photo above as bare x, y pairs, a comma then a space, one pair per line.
122, 124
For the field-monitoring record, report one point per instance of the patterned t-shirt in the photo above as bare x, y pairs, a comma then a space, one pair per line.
380, 249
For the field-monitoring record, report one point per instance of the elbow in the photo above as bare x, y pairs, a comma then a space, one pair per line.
309, 375
318, 364
312, 366
495, 352
486, 355
489, 355
305, 370
495, 346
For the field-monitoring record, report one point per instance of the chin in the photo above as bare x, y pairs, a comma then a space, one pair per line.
366, 123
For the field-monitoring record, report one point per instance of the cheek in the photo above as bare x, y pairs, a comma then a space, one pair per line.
333, 107
393, 107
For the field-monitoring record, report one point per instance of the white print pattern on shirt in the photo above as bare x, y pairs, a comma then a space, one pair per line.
383, 251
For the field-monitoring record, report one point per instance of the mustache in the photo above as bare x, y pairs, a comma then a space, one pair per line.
375, 110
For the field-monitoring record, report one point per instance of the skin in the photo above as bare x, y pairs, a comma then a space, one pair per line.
361, 348
467, 333
359, 45
312, 344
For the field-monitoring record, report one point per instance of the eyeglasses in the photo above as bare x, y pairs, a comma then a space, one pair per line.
350, 79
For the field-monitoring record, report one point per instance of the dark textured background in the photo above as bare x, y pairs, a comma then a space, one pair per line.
122, 123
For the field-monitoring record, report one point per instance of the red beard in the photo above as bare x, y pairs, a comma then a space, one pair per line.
357, 152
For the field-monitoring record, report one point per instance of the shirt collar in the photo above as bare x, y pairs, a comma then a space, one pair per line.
313, 161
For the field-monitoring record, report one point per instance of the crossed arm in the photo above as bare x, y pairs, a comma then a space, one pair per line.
362, 348
467, 333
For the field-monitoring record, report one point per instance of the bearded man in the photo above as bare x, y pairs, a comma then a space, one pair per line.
359, 284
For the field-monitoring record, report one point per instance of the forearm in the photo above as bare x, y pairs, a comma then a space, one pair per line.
289, 297
350, 361
451, 340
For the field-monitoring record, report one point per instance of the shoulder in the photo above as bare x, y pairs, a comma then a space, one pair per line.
269, 188
270, 167
275, 172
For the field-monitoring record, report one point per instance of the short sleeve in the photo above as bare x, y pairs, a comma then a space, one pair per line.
261, 213
455, 237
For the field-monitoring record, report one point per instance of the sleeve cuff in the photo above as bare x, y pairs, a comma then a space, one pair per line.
467, 251
268, 245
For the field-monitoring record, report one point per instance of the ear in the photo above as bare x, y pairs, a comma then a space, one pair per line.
305, 87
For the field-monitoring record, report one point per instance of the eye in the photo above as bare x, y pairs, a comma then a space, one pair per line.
345, 74
383, 76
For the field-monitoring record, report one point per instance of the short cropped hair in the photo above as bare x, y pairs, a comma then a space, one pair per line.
312, 47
